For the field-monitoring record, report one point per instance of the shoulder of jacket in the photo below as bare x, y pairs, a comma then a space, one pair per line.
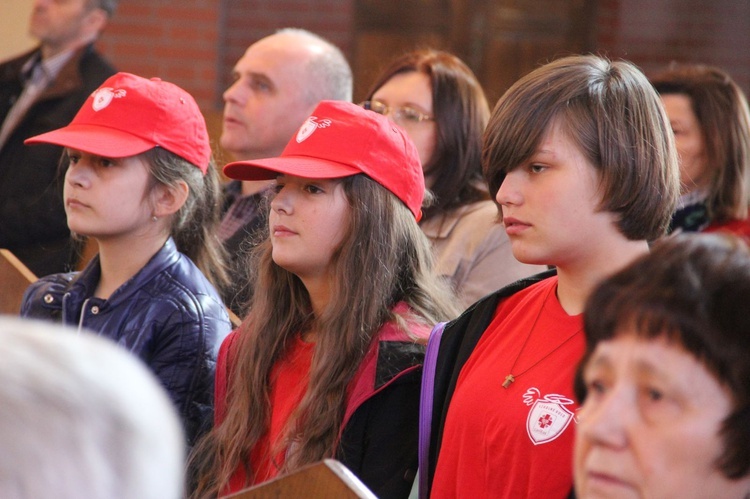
47, 291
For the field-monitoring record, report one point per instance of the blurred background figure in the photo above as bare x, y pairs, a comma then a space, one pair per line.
277, 84
665, 382
711, 122
79, 417
39, 91
438, 101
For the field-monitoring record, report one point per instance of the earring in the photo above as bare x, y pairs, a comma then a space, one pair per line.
154, 218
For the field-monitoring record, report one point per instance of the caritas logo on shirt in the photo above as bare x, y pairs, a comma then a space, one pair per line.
548, 417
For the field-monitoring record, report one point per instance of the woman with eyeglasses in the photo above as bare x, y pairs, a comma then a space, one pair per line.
440, 104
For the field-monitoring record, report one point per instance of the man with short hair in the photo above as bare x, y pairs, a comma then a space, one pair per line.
42, 90
277, 84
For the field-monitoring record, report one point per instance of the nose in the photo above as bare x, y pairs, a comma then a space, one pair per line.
232, 94
283, 201
605, 421
509, 192
78, 174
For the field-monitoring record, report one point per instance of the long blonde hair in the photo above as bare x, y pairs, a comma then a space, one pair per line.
384, 259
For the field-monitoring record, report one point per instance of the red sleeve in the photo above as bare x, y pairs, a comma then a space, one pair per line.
222, 376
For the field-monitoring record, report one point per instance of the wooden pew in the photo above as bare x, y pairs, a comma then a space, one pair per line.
323, 480
15, 277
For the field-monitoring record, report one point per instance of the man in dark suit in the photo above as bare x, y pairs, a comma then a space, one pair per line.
42, 90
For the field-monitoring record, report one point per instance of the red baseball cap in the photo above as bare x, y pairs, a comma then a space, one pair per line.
128, 115
341, 139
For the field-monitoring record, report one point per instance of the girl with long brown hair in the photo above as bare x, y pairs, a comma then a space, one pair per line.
328, 362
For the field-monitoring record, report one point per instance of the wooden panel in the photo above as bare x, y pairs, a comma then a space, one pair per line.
501, 40
322, 480
375, 50
15, 277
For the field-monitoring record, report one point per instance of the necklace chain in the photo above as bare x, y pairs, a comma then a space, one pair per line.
510, 378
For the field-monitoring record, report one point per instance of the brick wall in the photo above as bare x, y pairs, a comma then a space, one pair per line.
195, 43
176, 40
249, 20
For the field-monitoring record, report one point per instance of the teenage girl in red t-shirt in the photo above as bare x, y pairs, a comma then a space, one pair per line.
579, 156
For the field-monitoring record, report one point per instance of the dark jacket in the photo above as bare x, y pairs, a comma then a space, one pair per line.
381, 427
168, 314
238, 247
378, 442
32, 219
459, 338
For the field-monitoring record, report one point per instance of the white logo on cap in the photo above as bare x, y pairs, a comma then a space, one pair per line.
104, 95
309, 126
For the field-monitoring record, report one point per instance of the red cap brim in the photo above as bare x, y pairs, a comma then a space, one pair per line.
300, 166
95, 139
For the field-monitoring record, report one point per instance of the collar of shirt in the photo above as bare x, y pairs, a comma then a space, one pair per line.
36, 70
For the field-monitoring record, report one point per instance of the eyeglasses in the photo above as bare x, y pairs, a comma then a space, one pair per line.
403, 115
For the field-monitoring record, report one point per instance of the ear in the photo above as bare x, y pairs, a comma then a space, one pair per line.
96, 20
169, 199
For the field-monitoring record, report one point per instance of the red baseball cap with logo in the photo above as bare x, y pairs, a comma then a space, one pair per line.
128, 115
341, 139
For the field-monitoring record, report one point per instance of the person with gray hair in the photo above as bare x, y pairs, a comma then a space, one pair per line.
41, 90
277, 84
80, 417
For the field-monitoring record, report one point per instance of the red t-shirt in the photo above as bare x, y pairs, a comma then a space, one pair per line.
739, 228
289, 378
289, 382
517, 441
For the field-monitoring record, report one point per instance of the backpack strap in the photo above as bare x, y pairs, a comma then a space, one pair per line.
425, 404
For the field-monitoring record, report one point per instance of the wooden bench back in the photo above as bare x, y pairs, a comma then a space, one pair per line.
15, 277
322, 480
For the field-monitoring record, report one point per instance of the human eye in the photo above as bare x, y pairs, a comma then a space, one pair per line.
276, 188
376, 106
652, 394
537, 168
107, 162
659, 404
74, 158
597, 380
410, 114
596, 386
260, 85
313, 189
